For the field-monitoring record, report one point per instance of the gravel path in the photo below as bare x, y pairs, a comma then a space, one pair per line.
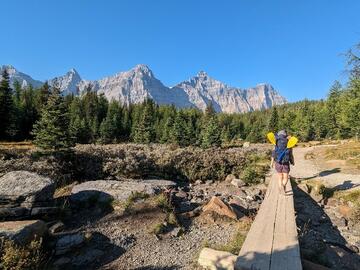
308, 169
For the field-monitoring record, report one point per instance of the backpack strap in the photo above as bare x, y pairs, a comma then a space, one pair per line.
282, 154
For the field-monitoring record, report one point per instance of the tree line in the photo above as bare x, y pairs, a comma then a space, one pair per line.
54, 121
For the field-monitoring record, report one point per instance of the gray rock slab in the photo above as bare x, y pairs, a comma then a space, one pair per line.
105, 190
26, 187
22, 232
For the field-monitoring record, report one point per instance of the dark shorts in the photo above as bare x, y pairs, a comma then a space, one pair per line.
282, 168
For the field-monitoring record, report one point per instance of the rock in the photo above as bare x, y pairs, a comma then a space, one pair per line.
88, 257
246, 145
218, 206
238, 183
23, 232
214, 259
26, 187
238, 207
68, 242
62, 261
229, 178
44, 212
184, 207
181, 194
104, 191
343, 222
176, 232
57, 227
13, 212
312, 266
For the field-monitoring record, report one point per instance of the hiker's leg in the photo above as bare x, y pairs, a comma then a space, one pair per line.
280, 176
285, 180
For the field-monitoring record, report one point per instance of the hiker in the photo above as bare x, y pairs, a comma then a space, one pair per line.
282, 157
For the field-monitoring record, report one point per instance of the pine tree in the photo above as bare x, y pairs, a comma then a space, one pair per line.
225, 134
110, 128
178, 133
7, 117
274, 120
144, 130
43, 95
52, 130
211, 133
27, 112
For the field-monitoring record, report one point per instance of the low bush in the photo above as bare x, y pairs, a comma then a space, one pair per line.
86, 162
15, 257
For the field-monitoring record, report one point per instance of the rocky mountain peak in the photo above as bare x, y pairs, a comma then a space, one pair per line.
9, 68
143, 70
202, 74
139, 83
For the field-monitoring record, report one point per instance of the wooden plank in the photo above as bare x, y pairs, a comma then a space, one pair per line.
285, 254
254, 255
272, 240
278, 253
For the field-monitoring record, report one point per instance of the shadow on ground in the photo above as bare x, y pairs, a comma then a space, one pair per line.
320, 241
157, 268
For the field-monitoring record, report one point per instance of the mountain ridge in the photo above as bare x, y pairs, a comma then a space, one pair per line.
139, 83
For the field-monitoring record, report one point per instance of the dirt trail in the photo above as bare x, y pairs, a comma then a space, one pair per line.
308, 169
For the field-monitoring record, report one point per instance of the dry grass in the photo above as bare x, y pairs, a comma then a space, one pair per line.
353, 198
64, 191
15, 257
344, 155
25, 145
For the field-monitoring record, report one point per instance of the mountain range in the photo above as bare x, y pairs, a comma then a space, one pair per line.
139, 83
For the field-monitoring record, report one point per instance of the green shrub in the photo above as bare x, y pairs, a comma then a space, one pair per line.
158, 228
162, 201
250, 175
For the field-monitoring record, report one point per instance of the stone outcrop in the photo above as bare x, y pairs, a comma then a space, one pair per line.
26, 194
217, 206
26, 188
104, 191
22, 232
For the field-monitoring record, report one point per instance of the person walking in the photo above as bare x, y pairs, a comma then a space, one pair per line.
282, 157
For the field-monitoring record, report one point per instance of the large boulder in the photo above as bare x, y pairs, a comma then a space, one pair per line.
26, 188
215, 259
217, 206
22, 232
107, 190
69, 242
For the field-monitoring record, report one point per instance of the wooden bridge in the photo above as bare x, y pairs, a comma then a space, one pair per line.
271, 243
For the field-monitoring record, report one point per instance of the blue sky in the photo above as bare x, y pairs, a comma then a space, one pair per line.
294, 45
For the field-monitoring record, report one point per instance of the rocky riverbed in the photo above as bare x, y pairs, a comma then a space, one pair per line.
122, 222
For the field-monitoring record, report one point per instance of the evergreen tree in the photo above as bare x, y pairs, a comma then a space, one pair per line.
225, 135
144, 130
274, 120
333, 111
178, 133
43, 95
7, 117
27, 112
211, 133
110, 128
52, 130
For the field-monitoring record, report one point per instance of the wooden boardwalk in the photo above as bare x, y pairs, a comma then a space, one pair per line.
272, 243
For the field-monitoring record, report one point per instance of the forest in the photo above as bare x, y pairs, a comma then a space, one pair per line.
53, 121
